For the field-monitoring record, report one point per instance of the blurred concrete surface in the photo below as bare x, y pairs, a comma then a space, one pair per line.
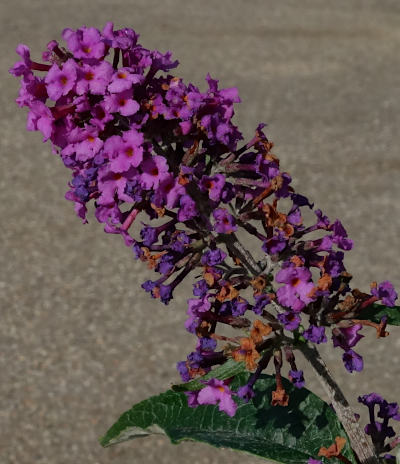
80, 342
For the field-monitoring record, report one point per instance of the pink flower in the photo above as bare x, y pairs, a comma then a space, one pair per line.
121, 103
112, 184
168, 192
224, 222
298, 289
123, 79
59, 81
89, 146
23, 67
40, 118
155, 169
215, 392
94, 78
85, 42
126, 151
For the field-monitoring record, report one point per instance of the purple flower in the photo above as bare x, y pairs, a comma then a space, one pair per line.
297, 378
275, 244
123, 39
352, 361
168, 192
217, 392
166, 293
323, 221
200, 288
213, 257
149, 235
262, 300
334, 263
180, 241
239, 306
346, 337
198, 305
176, 99
298, 289
187, 208
194, 359
192, 399
213, 185
148, 285
371, 399
389, 410
290, 320
166, 264
385, 292
224, 222
315, 334
340, 236
267, 168
314, 461
192, 323
379, 431
217, 113
207, 344
246, 393
183, 370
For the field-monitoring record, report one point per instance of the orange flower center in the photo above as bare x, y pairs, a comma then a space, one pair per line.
89, 76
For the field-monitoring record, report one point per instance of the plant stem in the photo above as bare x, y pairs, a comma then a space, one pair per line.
359, 441
244, 255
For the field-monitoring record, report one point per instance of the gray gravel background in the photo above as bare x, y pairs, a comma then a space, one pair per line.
80, 342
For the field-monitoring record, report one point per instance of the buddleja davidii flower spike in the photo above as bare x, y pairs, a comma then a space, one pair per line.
143, 144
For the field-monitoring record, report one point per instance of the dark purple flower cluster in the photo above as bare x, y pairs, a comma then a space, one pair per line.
141, 143
380, 431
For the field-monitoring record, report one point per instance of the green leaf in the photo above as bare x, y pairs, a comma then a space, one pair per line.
287, 435
375, 312
227, 370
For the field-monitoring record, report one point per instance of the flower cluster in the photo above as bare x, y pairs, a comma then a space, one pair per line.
161, 161
379, 431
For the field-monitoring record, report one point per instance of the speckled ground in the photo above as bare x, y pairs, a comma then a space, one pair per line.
80, 342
